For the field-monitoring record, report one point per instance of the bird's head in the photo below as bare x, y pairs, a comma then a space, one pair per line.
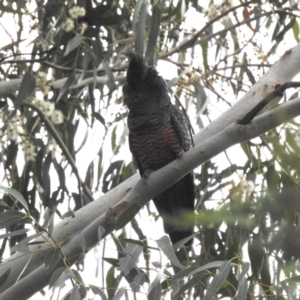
143, 84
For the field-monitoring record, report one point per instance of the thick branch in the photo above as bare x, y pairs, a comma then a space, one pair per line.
284, 70
158, 181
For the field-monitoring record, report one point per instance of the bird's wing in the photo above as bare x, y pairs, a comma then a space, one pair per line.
181, 127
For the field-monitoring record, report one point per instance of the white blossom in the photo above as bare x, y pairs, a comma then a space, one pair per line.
57, 117
211, 11
12, 132
41, 82
68, 25
246, 186
76, 12
82, 28
46, 107
29, 150
41, 78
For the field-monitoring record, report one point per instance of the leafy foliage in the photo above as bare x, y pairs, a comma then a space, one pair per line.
63, 143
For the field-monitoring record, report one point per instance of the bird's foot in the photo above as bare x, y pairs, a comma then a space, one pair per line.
180, 153
146, 175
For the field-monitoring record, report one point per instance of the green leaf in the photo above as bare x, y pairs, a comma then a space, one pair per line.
218, 281
14, 233
189, 284
26, 88
98, 291
137, 282
166, 247
66, 86
65, 274
12, 217
73, 43
204, 47
17, 196
119, 294
132, 252
111, 283
243, 283
4, 276
55, 275
136, 13
154, 31
154, 291
296, 31
52, 258
75, 295
111, 79
139, 32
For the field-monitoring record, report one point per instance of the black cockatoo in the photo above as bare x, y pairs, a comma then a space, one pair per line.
158, 134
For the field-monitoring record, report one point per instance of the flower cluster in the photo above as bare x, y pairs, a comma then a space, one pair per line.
14, 128
49, 110
68, 25
82, 27
76, 12
46, 107
29, 150
41, 81
57, 117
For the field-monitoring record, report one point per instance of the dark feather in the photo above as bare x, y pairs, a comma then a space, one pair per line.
159, 133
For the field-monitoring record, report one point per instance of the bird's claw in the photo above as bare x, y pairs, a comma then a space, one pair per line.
146, 175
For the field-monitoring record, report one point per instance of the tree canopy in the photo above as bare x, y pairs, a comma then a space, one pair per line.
69, 187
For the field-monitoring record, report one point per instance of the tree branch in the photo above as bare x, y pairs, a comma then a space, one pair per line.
157, 182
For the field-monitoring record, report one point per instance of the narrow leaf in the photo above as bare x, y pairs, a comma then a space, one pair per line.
214, 264
66, 86
119, 294
133, 253
73, 43
138, 281
155, 288
75, 293
52, 258
98, 291
17, 196
154, 31
14, 233
218, 281
111, 79
111, 283
136, 13
164, 244
243, 283
190, 283
140, 37
66, 274
56, 275
4, 276
26, 88
11, 217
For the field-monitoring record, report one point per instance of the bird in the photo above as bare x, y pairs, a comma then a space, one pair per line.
158, 134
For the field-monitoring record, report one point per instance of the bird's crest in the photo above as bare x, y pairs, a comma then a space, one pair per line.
139, 74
